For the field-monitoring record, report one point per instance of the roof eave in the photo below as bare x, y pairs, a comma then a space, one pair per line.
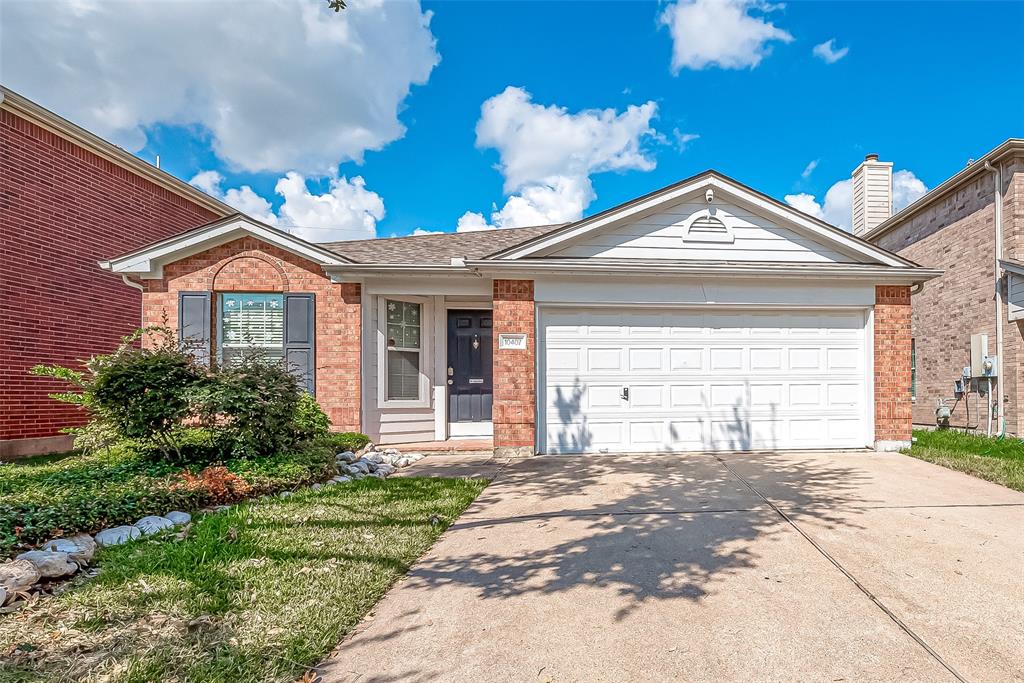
1010, 147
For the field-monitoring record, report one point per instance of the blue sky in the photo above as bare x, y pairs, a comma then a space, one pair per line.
392, 93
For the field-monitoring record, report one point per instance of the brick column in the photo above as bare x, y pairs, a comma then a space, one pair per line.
338, 349
515, 411
893, 407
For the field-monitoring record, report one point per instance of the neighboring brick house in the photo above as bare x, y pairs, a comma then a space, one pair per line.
953, 228
704, 316
68, 199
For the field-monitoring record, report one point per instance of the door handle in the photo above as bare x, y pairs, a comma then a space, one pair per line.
625, 394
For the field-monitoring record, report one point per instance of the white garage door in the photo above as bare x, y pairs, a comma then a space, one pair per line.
669, 380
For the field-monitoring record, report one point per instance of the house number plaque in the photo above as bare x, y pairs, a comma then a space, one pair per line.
512, 342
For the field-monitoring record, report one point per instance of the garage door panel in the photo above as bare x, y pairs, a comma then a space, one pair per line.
699, 381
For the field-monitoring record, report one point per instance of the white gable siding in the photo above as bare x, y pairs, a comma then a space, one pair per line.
661, 236
1015, 296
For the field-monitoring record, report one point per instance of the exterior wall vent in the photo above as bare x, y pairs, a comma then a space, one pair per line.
707, 225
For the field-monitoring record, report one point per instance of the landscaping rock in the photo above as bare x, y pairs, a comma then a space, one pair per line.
375, 458
391, 451
316, 487
386, 469
343, 480
284, 494
117, 535
369, 448
402, 462
152, 524
413, 457
358, 467
17, 576
49, 563
80, 548
358, 475
345, 457
3, 596
376, 475
179, 518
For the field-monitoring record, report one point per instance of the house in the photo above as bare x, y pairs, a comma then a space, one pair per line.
972, 227
68, 198
702, 316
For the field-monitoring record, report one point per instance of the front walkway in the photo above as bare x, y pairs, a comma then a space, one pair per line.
813, 566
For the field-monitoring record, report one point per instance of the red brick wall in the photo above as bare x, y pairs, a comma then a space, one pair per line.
249, 265
62, 209
893, 410
515, 414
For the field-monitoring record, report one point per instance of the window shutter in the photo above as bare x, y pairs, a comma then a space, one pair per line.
299, 338
194, 324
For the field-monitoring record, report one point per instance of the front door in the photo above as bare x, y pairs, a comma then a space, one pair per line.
470, 391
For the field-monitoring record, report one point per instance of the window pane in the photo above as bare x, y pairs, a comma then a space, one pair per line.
403, 324
252, 321
403, 375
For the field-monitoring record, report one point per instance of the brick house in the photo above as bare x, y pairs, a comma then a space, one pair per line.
703, 316
971, 227
65, 191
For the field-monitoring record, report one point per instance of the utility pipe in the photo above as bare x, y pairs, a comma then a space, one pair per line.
997, 178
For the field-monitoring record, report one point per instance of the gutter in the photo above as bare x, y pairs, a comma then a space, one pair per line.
997, 276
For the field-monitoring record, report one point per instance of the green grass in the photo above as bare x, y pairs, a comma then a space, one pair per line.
48, 496
997, 460
257, 593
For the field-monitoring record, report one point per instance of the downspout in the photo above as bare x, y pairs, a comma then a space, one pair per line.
142, 306
998, 282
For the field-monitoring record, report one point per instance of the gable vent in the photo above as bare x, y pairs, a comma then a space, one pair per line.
708, 225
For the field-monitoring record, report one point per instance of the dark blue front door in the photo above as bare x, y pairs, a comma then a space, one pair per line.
470, 390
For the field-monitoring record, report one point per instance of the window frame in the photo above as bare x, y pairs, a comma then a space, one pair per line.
218, 303
425, 351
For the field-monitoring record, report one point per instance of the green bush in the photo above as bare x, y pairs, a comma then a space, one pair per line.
251, 406
134, 393
311, 422
343, 441
40, 499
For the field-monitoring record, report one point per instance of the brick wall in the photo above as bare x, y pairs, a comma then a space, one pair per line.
250, 265
956, 234
893, 409
62, 209
515, 414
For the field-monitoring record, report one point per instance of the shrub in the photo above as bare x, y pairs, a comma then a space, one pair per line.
311, 421
344, 441
134, 393
251, 406
217, 484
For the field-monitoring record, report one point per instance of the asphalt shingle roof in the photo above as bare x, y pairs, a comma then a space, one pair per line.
436, 249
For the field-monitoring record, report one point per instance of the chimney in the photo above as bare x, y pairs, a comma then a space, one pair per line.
872, 194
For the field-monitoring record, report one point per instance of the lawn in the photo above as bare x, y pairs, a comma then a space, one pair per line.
998, 460
260, 592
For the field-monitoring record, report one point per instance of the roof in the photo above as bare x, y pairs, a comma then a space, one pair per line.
436, 249
1010, 147
44, 118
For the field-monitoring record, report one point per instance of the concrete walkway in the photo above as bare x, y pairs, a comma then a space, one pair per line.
767, 567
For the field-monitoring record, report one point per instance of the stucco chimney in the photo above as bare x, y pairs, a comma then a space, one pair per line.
872, 194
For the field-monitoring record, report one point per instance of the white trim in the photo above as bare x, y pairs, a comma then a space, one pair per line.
719, 269
731, 191
440, 367
425, 351
148, 262
470, 429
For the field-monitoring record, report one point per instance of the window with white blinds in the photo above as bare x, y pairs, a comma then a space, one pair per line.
251, 320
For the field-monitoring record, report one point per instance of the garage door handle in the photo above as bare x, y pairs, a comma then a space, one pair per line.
625, 394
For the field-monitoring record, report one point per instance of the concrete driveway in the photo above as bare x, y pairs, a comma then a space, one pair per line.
798, 566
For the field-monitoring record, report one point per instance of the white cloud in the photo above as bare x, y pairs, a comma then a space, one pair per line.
838, 207
278, 85
730, 34
683, 140
809, 169
827, 51
347, 211
548, 154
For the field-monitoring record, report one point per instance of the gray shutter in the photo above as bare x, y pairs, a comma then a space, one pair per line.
300, 338
194, 324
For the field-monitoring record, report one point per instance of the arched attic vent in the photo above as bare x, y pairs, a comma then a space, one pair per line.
708, 225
